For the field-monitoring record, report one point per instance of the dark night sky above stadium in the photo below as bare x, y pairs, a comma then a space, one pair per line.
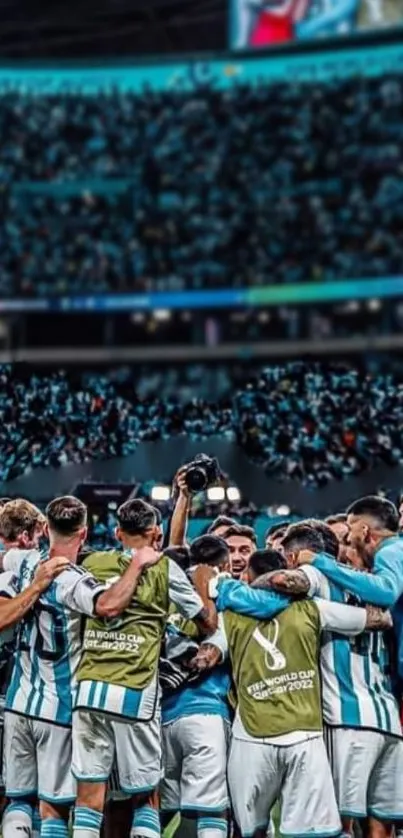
40, 29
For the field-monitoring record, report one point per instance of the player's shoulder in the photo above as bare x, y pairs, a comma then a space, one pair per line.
21, 561
390, 549
9, 584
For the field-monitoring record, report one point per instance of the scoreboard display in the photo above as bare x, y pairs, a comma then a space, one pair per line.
263, 23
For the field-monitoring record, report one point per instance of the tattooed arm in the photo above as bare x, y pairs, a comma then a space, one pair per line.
378, 619
291, 582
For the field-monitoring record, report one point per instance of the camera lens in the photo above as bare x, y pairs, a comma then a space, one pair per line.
196, 479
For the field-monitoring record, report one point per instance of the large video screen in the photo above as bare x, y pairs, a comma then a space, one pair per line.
262, 23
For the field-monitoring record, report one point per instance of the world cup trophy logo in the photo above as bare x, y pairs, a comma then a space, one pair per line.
274, 659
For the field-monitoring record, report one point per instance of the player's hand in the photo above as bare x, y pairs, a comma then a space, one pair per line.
207, 657
146, 557
47, 571
305, 557
378, 619
201, 576
180, 483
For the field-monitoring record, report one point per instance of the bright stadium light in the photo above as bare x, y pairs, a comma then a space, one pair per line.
283, 509
160, 493
215, 494
162, 315
233, 494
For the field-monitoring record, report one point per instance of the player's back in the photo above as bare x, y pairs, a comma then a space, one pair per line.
47, 654
356, 683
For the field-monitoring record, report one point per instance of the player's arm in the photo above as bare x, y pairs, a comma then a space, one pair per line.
193, 601
13, 605
350, 620
114, 600
382, 588
243, 599
82, 592
177, 537
290, 582
212, 651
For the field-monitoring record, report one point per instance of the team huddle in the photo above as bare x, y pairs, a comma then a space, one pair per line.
210, 679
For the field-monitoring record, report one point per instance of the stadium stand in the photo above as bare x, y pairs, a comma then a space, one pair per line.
167, 190
308, 423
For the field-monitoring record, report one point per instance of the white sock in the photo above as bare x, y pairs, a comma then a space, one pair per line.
211, 827
146, 823
87, 823
17, 821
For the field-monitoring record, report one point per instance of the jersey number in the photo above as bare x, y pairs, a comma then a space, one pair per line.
51, 649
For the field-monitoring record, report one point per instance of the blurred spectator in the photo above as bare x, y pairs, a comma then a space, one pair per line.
249, 186
310, 423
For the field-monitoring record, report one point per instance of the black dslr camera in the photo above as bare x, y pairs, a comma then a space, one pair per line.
201, 473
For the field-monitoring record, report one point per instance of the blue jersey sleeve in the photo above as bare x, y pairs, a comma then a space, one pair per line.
241, 598
383, 587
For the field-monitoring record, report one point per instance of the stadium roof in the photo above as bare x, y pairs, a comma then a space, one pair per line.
74, 29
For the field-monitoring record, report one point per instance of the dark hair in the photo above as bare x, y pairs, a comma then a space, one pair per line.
382, 510
66, 515
221, 521
208, 549
136, 516
330, 541
303, 537
276, 529
180, 555
340, 518
264, 561
247, 532
158, 516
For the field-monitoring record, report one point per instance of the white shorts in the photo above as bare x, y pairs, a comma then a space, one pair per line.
298, 776
114, 792
367, 771
195, 764
99, 741
37, 760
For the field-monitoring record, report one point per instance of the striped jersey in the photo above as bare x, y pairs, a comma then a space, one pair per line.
48, 645
383, 587
7, 637
207, 695
356, 682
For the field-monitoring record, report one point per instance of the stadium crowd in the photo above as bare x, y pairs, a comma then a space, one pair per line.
211, 679
312, 423
226, 188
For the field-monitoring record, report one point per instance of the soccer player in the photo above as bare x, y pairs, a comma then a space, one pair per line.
21, 525
241, 543
277, 748
360, 711
39, 697
220, 525
117, 711
195, 729
374, 533
274, 534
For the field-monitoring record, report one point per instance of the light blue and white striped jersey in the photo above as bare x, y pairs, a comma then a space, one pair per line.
8, 584
48, 644
356, 683
206, 696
